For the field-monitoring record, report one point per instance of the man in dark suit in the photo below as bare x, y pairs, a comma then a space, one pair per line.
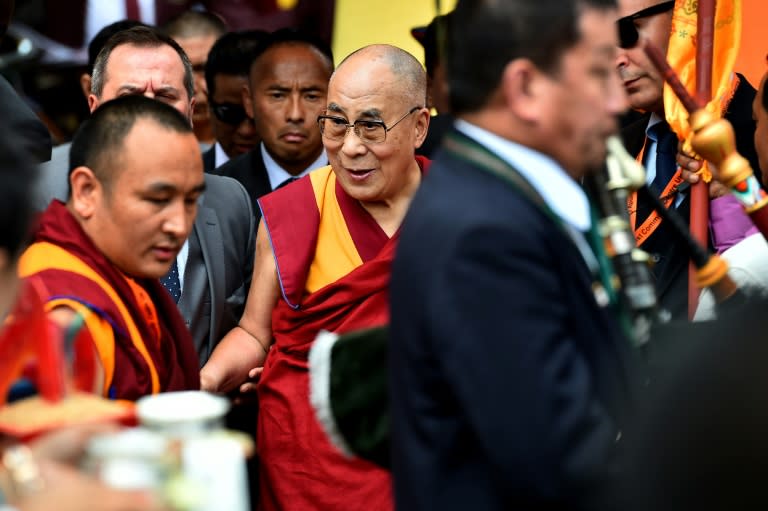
288, 83
217, 259
509, 377
651, 20
226, 77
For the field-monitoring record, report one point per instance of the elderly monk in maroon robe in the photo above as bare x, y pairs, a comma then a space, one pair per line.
323, 255
135, 180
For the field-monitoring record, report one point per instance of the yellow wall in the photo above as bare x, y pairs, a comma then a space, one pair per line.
362, 22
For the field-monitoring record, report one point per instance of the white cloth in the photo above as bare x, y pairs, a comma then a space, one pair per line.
219, 156
181, 262
100, 13
747, 266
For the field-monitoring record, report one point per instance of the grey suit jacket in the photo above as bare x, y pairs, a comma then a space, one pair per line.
220, 264
221, 251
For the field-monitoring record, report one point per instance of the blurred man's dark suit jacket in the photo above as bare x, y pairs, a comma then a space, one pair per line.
508, 382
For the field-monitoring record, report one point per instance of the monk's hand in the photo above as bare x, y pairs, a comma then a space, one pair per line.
231, 361
68, 490
253, 379
68, 445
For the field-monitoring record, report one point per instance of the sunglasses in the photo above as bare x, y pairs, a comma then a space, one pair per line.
628, 35
229, 113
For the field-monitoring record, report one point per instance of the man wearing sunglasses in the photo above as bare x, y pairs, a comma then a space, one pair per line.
649, 138
226, 77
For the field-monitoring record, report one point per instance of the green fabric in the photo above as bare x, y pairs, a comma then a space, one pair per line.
359, 394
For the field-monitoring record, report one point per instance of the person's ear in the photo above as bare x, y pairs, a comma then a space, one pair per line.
85, 191
85, 85
191, 111
421, 127
93, 102
523, 88
247, 101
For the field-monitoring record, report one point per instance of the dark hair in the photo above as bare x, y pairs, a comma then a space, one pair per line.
290, 36
491, 33
100, 39
17, 175
195, 23
232, 54
433, 38
143, 37
99, 140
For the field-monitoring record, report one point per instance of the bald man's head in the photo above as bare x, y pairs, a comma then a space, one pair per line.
381, 91
407, 71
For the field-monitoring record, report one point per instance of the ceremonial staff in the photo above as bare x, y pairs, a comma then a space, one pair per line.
714, 140
699, 222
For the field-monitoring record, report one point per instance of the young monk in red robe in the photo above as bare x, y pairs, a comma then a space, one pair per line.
323, 256
135, 179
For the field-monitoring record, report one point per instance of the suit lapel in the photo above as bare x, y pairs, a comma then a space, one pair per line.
212, 247
209, 159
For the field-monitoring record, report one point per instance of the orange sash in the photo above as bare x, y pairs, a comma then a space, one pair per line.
43, 256
650, 224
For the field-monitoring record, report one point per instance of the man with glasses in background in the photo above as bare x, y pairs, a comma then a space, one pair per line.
324, 249
226, 76
650, 139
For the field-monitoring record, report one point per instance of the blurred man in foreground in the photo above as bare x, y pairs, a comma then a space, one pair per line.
509, 374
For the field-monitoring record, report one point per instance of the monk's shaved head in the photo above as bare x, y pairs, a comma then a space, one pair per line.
99, 142
408, 72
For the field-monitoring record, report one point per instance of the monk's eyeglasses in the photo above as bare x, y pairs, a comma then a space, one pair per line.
370, 132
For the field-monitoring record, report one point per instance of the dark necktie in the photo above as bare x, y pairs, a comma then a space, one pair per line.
171, 282
287, 182
132, 10
666, 152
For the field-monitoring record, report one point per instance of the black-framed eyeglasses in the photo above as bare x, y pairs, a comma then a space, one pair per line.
370, 132
229, 113
628, 35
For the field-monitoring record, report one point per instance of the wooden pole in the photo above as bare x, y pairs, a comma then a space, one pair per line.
705, 31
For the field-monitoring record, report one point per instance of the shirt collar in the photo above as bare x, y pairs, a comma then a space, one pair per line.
560, 192
650, 149
653, 120
278, 175
219, 156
